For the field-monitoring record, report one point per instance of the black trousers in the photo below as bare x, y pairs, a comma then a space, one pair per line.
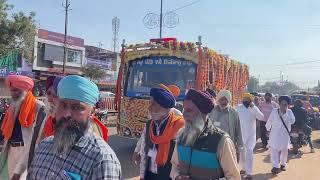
263, 131
151, 176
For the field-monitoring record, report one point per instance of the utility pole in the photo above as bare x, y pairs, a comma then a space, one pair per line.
66, 8
161, 19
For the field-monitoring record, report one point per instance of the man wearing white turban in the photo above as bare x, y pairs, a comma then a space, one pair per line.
226, 118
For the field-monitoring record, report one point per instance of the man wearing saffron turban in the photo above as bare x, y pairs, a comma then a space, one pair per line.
248, 114
17, 127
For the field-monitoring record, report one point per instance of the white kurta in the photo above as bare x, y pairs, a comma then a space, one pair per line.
18, 156
279, 137
248, 117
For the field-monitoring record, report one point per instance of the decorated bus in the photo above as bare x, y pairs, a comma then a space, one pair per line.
170, 62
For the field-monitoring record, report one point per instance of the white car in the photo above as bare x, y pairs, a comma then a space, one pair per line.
105, 94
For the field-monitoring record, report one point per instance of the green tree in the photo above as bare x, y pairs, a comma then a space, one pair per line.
93, 72
253, 84
286, 88
16, 31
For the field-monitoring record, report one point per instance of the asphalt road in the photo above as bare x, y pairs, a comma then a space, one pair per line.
304, 166
124, 149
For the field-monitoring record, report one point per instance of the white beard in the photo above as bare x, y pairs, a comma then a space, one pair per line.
191, 131
15, 105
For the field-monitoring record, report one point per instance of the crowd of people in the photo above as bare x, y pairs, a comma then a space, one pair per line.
217, 139
209, 139
57, 139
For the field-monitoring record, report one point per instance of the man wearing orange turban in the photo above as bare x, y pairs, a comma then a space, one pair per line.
17, 127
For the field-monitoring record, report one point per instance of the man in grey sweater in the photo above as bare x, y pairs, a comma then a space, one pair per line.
226, 118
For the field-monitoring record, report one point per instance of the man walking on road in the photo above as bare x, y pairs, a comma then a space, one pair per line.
52, 97
74, 152
248, 114
158, 137
136, 157
202, 151
266, 108
225, 117
279, 125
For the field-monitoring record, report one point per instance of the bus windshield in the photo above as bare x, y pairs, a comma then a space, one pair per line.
145, 73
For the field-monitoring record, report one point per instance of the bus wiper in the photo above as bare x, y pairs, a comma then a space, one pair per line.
140, 96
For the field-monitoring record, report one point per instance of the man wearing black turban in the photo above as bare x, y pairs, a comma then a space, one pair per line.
214, 148
279, 125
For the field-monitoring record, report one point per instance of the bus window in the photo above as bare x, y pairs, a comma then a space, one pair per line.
142, 77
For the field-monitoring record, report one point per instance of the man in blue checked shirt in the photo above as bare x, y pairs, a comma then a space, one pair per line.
75, 152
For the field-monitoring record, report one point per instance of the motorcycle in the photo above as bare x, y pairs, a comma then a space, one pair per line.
103, 116
298, 139
314, 120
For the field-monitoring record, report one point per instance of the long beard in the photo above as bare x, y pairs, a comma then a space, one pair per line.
191, 131
68, 132
15, 106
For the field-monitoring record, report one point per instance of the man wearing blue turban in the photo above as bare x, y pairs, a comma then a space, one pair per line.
157, 140
76, 151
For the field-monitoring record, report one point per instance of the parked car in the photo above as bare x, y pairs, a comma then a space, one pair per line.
105, 94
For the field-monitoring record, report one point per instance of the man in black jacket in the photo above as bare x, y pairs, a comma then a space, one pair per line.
301, 117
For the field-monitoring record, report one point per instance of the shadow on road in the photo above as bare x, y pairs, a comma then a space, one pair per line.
316, 143
262, 176
266, 158
258, 151
124, 149
292, 155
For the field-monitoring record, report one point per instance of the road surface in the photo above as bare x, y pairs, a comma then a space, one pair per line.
305, 166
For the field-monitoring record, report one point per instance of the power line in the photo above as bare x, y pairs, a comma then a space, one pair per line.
302, 62
187, 5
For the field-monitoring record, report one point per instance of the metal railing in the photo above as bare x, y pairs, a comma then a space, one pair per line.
108, 104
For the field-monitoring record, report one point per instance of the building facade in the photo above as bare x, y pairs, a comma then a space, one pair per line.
49, 54
107, 61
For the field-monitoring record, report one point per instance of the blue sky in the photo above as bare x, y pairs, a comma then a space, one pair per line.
265, 34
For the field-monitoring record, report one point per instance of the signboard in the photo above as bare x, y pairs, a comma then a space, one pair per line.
4, 72
67, 71
57, 37
162, 61
103, 64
